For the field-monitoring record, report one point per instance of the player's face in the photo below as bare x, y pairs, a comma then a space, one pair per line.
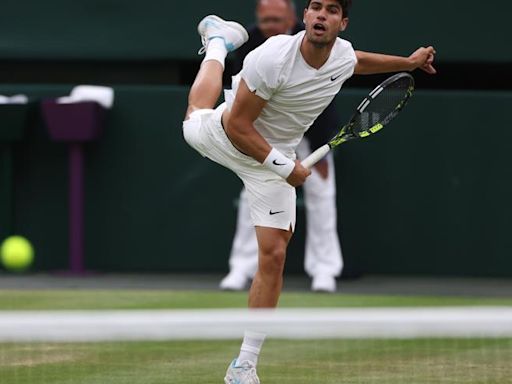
324, 21
274, 17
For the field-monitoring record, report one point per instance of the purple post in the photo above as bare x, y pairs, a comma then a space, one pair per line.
75, 124
76, 208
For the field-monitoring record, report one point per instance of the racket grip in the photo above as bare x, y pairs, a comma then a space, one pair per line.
316, 156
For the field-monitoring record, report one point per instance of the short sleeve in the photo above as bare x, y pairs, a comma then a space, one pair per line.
350, 54
260, 73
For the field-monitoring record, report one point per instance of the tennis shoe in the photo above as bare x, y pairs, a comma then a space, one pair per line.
323, 283
243, 373
234, 281
233, 34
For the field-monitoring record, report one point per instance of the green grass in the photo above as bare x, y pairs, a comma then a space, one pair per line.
285, 362
166, 299
419, 361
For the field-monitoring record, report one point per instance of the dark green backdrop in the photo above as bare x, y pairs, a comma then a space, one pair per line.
461, 30
430, 194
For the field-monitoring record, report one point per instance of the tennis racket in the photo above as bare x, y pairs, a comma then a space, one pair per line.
375, 111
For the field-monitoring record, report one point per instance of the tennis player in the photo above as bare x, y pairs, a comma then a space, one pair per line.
323, 260
282, 88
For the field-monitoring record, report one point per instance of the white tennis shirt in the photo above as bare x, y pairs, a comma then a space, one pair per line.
296, 93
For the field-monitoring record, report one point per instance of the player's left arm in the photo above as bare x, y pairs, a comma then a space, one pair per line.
371, 63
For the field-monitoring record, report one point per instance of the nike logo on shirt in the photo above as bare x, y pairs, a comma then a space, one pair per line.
333, 78
274, 213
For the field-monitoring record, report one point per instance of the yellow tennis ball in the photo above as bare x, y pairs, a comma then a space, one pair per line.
16, 253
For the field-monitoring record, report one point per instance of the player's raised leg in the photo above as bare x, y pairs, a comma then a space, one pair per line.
218, 37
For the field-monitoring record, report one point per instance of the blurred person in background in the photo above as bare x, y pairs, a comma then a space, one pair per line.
322, 256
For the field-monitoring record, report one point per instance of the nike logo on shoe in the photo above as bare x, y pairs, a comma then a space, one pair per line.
275, 213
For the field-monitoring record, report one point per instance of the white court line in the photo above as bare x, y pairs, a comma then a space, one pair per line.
79, 326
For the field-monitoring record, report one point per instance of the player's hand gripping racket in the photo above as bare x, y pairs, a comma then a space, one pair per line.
375, 111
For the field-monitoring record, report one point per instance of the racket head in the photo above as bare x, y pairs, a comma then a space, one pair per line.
381, 106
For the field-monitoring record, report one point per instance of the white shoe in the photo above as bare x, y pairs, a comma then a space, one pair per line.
233, 34
243, 373
323, 283
234, 281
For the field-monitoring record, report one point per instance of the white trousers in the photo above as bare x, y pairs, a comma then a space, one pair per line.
322, 251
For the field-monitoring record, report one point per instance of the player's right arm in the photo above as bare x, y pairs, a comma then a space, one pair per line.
246, 108
244, 136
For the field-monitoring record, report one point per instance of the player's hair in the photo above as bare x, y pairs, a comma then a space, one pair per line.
345, 6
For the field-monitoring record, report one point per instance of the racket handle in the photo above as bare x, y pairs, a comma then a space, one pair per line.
316, 156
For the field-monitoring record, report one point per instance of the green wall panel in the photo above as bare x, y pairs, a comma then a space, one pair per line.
162, 29
428, 195
431, 193
150, 199
107, 29
461, 30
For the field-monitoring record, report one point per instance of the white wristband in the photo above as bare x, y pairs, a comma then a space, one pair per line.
279, 163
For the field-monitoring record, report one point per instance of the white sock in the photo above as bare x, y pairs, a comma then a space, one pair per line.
216, 50
251, 347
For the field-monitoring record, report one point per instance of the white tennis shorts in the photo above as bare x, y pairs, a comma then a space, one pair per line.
271, 199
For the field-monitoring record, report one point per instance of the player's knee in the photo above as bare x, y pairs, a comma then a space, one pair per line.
272, 261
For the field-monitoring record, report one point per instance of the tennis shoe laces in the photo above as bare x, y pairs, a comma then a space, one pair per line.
243, 373
211, 27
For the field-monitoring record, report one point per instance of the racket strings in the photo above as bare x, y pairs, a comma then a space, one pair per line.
384, 107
